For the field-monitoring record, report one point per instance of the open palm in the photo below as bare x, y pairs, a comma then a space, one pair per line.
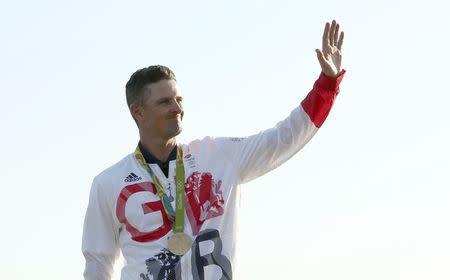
330, 57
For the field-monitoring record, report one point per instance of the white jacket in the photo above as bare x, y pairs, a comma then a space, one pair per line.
125, 212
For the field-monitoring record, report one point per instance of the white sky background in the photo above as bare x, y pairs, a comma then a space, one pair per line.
367, 198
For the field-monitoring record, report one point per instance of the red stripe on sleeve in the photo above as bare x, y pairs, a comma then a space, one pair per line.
317, 104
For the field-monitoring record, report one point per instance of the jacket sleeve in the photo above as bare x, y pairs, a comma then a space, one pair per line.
256, 155
100, 236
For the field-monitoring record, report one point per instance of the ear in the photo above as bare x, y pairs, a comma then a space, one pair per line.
137, 112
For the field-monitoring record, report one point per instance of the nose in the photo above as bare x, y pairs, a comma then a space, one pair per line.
177, 107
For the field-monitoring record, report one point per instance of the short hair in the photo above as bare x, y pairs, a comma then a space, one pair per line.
141, 78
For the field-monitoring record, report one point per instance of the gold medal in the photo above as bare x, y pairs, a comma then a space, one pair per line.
180, 243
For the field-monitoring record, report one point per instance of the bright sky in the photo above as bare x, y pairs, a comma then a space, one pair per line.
367, 198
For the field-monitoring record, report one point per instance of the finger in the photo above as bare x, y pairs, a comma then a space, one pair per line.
336, 33
341, 41
324, 64
320, 57
331, 33
325, 37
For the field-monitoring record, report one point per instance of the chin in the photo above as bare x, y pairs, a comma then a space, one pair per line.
175, 132
178, 133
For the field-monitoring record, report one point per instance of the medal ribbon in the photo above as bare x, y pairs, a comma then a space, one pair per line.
180, 194
173, 216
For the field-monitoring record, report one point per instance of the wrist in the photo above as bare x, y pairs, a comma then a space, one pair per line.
330, 83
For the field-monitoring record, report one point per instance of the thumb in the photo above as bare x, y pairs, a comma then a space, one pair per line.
320, 57
324, 64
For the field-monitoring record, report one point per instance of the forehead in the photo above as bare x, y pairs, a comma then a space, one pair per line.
162, 89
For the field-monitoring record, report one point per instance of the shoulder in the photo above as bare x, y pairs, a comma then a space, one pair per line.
206, 146
116, 172
199, 144
213, 148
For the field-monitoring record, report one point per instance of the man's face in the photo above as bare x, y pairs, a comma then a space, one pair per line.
162, 111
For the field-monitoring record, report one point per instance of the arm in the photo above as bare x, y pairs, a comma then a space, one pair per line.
255, 155
100, 237
319, 101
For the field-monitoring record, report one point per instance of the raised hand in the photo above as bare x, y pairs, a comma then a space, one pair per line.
330, 57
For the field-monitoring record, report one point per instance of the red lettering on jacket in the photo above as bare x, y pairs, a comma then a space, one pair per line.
148, 207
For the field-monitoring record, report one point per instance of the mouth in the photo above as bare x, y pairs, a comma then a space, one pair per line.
176, 117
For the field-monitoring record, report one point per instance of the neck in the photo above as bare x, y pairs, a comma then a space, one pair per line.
158, 147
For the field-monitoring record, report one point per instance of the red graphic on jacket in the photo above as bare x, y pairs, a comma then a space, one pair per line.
204, 199
148, 207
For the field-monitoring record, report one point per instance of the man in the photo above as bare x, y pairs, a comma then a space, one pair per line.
172, 208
